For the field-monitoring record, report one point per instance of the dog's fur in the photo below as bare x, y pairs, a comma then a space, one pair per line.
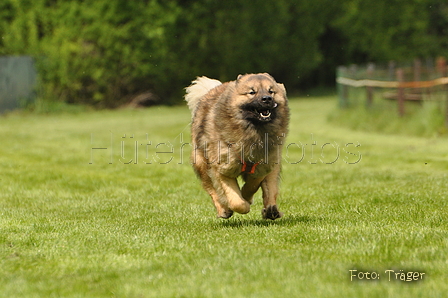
238, 128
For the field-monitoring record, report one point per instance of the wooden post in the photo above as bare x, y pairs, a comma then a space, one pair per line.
417, 73
369, 89
430, 70
441, 69
353, 74
342, 89
400, 99
441, 66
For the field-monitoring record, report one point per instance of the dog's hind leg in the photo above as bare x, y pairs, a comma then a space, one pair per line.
250, 187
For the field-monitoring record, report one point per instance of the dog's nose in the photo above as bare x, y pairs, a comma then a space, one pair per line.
266, 99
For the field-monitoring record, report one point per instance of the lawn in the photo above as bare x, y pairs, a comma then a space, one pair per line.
105, 204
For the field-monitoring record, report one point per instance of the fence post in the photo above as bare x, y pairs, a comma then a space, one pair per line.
441, 68
342, 89
417, 73
400, 100
369, 89
429, 65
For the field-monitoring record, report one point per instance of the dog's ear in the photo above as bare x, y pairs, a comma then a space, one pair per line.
239, 77
282, 87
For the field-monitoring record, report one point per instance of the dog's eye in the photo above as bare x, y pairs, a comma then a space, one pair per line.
252, 92
271, 91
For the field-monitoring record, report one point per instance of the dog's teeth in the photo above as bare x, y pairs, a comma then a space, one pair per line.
265, 114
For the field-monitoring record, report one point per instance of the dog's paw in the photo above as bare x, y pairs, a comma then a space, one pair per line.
225, 214
271, 212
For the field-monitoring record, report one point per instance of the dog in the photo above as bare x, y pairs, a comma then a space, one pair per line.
238, 129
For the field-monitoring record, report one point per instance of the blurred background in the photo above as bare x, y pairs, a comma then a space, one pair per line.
107, 53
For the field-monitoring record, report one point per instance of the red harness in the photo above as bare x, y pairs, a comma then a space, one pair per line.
249, 168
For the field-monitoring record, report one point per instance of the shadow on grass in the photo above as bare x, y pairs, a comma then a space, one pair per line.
286, 220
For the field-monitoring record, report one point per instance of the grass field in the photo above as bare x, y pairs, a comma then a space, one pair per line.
131, 220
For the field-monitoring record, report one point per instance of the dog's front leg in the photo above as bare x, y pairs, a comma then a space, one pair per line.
232, 194
270, 193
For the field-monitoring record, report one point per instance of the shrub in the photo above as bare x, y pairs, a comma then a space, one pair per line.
98, 52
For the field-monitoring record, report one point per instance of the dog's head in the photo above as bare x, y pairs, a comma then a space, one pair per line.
260, 97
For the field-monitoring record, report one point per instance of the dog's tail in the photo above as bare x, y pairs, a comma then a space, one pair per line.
197, 89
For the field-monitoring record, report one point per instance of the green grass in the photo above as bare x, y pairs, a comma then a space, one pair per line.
74, 225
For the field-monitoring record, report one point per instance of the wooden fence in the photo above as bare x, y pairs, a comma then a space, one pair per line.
416, 82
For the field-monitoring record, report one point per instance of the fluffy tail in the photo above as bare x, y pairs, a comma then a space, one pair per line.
197, 89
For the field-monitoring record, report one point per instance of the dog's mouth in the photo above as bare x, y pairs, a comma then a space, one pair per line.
265, 114
259, 112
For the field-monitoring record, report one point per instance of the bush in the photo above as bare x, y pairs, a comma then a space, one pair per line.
104, 52
98, 52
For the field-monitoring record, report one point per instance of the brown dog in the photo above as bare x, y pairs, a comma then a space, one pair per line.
238, 129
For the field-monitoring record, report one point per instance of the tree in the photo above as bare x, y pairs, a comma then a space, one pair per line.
387, 29
102, 52
224, 38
